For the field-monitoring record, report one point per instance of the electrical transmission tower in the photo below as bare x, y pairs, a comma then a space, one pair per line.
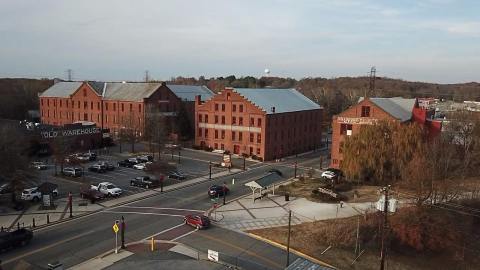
371, 90
69, 75
147, 76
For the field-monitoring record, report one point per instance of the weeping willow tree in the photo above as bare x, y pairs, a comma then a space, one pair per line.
380, 152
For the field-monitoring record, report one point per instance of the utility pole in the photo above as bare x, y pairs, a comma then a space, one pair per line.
295, 169
70, 202
384, 227
122, 233
147, 76
288, 238
210, 170
244, 163
321, 161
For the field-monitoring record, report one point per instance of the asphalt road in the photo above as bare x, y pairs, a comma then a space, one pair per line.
81, 239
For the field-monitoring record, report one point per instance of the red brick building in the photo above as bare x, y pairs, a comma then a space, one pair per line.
370, 110
266, 123
112, 105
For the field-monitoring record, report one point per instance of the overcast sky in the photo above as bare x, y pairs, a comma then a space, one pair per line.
421, 40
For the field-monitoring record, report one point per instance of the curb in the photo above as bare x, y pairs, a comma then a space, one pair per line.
294, 251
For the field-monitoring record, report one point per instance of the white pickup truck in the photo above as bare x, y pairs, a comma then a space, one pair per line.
108, 189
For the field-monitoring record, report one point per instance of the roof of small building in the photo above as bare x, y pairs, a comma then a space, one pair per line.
265, 181
61, 89
129, 91
283, 100
188, 92
398, 107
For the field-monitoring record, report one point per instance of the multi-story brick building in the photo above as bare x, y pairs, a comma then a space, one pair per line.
112, 105
370, 110
267, 123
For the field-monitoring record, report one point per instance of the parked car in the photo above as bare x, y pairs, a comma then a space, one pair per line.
197, 221
73, 172
141, 166
176, 175
82, 157
145, 182
17, 238
6, 188
145, 158
108, 189
38, 165
108, 166
125, 163
134, 160
90, 155
97, 168
332, 173
91, 194
217, 191
33, 194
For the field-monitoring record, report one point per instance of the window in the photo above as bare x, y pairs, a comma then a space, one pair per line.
223, 134
251, 137
85, 117
233, 135
216, 146
206, 133
222, 146
223, 120
60, 103
131, 107
251, 151
199, 132
223, 107
335, 161
114, 106
240, 136
122, 107
199, 118
78, 104
252, 121
85, 105
240, 108
259, 138
216, 134
48, 102
91, 105
206, 118
216, 119
139, 108
258, 151
345, 129
42, 102
106, 118
240, 121
234, 108
106, 106
66, 103
234, 120
98, 117
259, 122
216, 107
365, 111
228, 96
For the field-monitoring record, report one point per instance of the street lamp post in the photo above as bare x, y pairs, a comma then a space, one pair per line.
210, 170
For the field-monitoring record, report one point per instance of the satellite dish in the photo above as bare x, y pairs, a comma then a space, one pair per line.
267, 71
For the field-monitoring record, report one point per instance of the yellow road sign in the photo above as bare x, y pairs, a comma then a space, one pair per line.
115, 227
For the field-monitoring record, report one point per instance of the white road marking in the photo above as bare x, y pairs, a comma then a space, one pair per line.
160, 208
164, 231
183, 235
142, 213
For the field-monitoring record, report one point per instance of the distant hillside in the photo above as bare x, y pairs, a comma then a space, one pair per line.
20, 95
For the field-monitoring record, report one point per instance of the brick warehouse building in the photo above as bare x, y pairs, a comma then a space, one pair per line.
370, 110
111, 104
266, 123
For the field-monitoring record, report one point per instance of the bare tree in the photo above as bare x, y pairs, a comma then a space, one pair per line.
156, 129
130, 130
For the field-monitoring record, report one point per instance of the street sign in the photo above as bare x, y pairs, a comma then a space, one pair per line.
212, 255
115, 228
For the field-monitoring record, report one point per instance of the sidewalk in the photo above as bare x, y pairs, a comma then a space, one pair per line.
272, 211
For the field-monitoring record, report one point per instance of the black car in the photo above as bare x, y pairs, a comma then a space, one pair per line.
17, 238
217, 191
176, 175
145, 158
125, 163
6, 188
145, 182
97, 168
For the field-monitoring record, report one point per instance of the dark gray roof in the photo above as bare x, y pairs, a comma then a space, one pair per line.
61, 89
265, 180
398, 107
129, 91
284, 100
188, 92
97, 86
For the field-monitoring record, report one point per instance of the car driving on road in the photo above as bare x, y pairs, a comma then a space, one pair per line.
217, 191
17, 238
145, 182
197, 221
108, 166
